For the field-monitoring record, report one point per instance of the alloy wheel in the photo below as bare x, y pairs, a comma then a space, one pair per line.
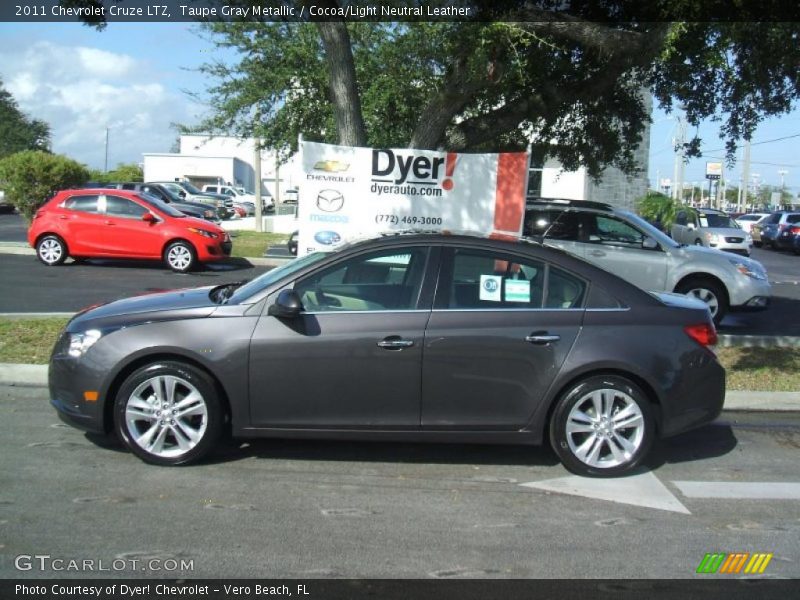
166, 416
605, 428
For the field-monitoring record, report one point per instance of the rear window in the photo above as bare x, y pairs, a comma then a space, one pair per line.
86, 204
793, 218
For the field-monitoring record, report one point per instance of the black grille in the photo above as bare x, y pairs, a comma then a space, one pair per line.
734, 240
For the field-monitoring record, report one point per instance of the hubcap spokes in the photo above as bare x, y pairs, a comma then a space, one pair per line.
605, 428
50, 251
166, 416
706, 296
179, 257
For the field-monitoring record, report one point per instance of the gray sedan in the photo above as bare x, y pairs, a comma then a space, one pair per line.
409, 337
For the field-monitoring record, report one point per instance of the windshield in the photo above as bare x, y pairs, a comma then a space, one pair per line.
161, 206
270, 277
649, 230
714, 220
190, 188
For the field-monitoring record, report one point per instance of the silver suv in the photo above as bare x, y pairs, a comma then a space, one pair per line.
627, 245
712, 228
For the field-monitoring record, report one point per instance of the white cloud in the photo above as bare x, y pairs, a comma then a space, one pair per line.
80, 91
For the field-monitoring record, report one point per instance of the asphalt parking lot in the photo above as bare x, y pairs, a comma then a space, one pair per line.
275, 508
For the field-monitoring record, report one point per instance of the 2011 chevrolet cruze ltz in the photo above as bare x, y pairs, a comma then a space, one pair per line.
423, 337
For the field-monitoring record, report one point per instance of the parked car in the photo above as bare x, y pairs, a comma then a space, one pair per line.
408, 337
712, 228
187, 191
629, 246
748, 220
291, 244
796, 240
167, 196
239, 194
775, 225
104, 223
240, 210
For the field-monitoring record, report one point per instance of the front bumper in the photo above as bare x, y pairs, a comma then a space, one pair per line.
748, 294
68, 381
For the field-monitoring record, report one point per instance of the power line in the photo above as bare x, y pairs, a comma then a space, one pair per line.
780, 139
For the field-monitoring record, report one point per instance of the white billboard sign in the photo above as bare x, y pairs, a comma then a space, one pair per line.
349, 193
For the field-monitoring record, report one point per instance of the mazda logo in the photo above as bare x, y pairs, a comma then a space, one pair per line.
330, 201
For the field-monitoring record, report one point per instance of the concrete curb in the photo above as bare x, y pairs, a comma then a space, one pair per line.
36, 376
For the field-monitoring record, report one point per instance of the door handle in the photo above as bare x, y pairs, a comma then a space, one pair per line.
63, 217
394, 343
541, 339
111, 223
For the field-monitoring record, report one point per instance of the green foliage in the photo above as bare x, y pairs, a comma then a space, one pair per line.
29, 178
17, 131
124, 172
573, 89
661, 209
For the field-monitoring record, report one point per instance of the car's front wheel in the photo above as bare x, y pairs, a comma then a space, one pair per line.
602, 426
709, 292
180, 257
168, 413
51, 250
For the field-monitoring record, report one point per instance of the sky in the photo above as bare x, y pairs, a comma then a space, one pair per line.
133, 79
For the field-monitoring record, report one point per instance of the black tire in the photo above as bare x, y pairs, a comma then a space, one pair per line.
710, 292
51, 250
180, 257
698, 242
607, 449
140, 410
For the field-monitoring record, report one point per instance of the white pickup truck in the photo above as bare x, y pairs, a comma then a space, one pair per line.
238, 194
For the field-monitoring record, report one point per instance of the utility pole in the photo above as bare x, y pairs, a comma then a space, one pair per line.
257, 169
745, 174
677, 173
782, 173
105, 164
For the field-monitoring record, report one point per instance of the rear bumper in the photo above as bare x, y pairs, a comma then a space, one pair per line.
699, 401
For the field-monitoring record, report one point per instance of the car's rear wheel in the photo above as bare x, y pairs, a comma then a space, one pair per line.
51, 250
180, 257
168, 413
709, 292
698, 242
602, 426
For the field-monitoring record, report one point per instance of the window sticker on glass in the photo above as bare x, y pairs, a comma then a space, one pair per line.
490, 288
518, 290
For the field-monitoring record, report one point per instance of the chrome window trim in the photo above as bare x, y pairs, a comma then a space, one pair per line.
366, 312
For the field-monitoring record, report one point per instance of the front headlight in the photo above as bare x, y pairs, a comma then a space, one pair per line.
79, 343
750, 269
712, 237
203, 232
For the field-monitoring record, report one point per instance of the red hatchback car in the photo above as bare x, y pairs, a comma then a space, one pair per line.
102, 223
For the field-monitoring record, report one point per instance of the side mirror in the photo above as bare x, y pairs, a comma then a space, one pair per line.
287, 305
149, 217
182, 195
649, 243
690, 226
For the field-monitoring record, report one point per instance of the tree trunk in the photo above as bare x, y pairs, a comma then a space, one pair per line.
344, 88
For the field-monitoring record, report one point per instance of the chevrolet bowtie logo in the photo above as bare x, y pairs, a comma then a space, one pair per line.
332, 166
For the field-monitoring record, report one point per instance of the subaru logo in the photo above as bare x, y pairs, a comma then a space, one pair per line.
328, 238
330, 201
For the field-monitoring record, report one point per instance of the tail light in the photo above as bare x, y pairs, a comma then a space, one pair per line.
795, 230
704, 334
